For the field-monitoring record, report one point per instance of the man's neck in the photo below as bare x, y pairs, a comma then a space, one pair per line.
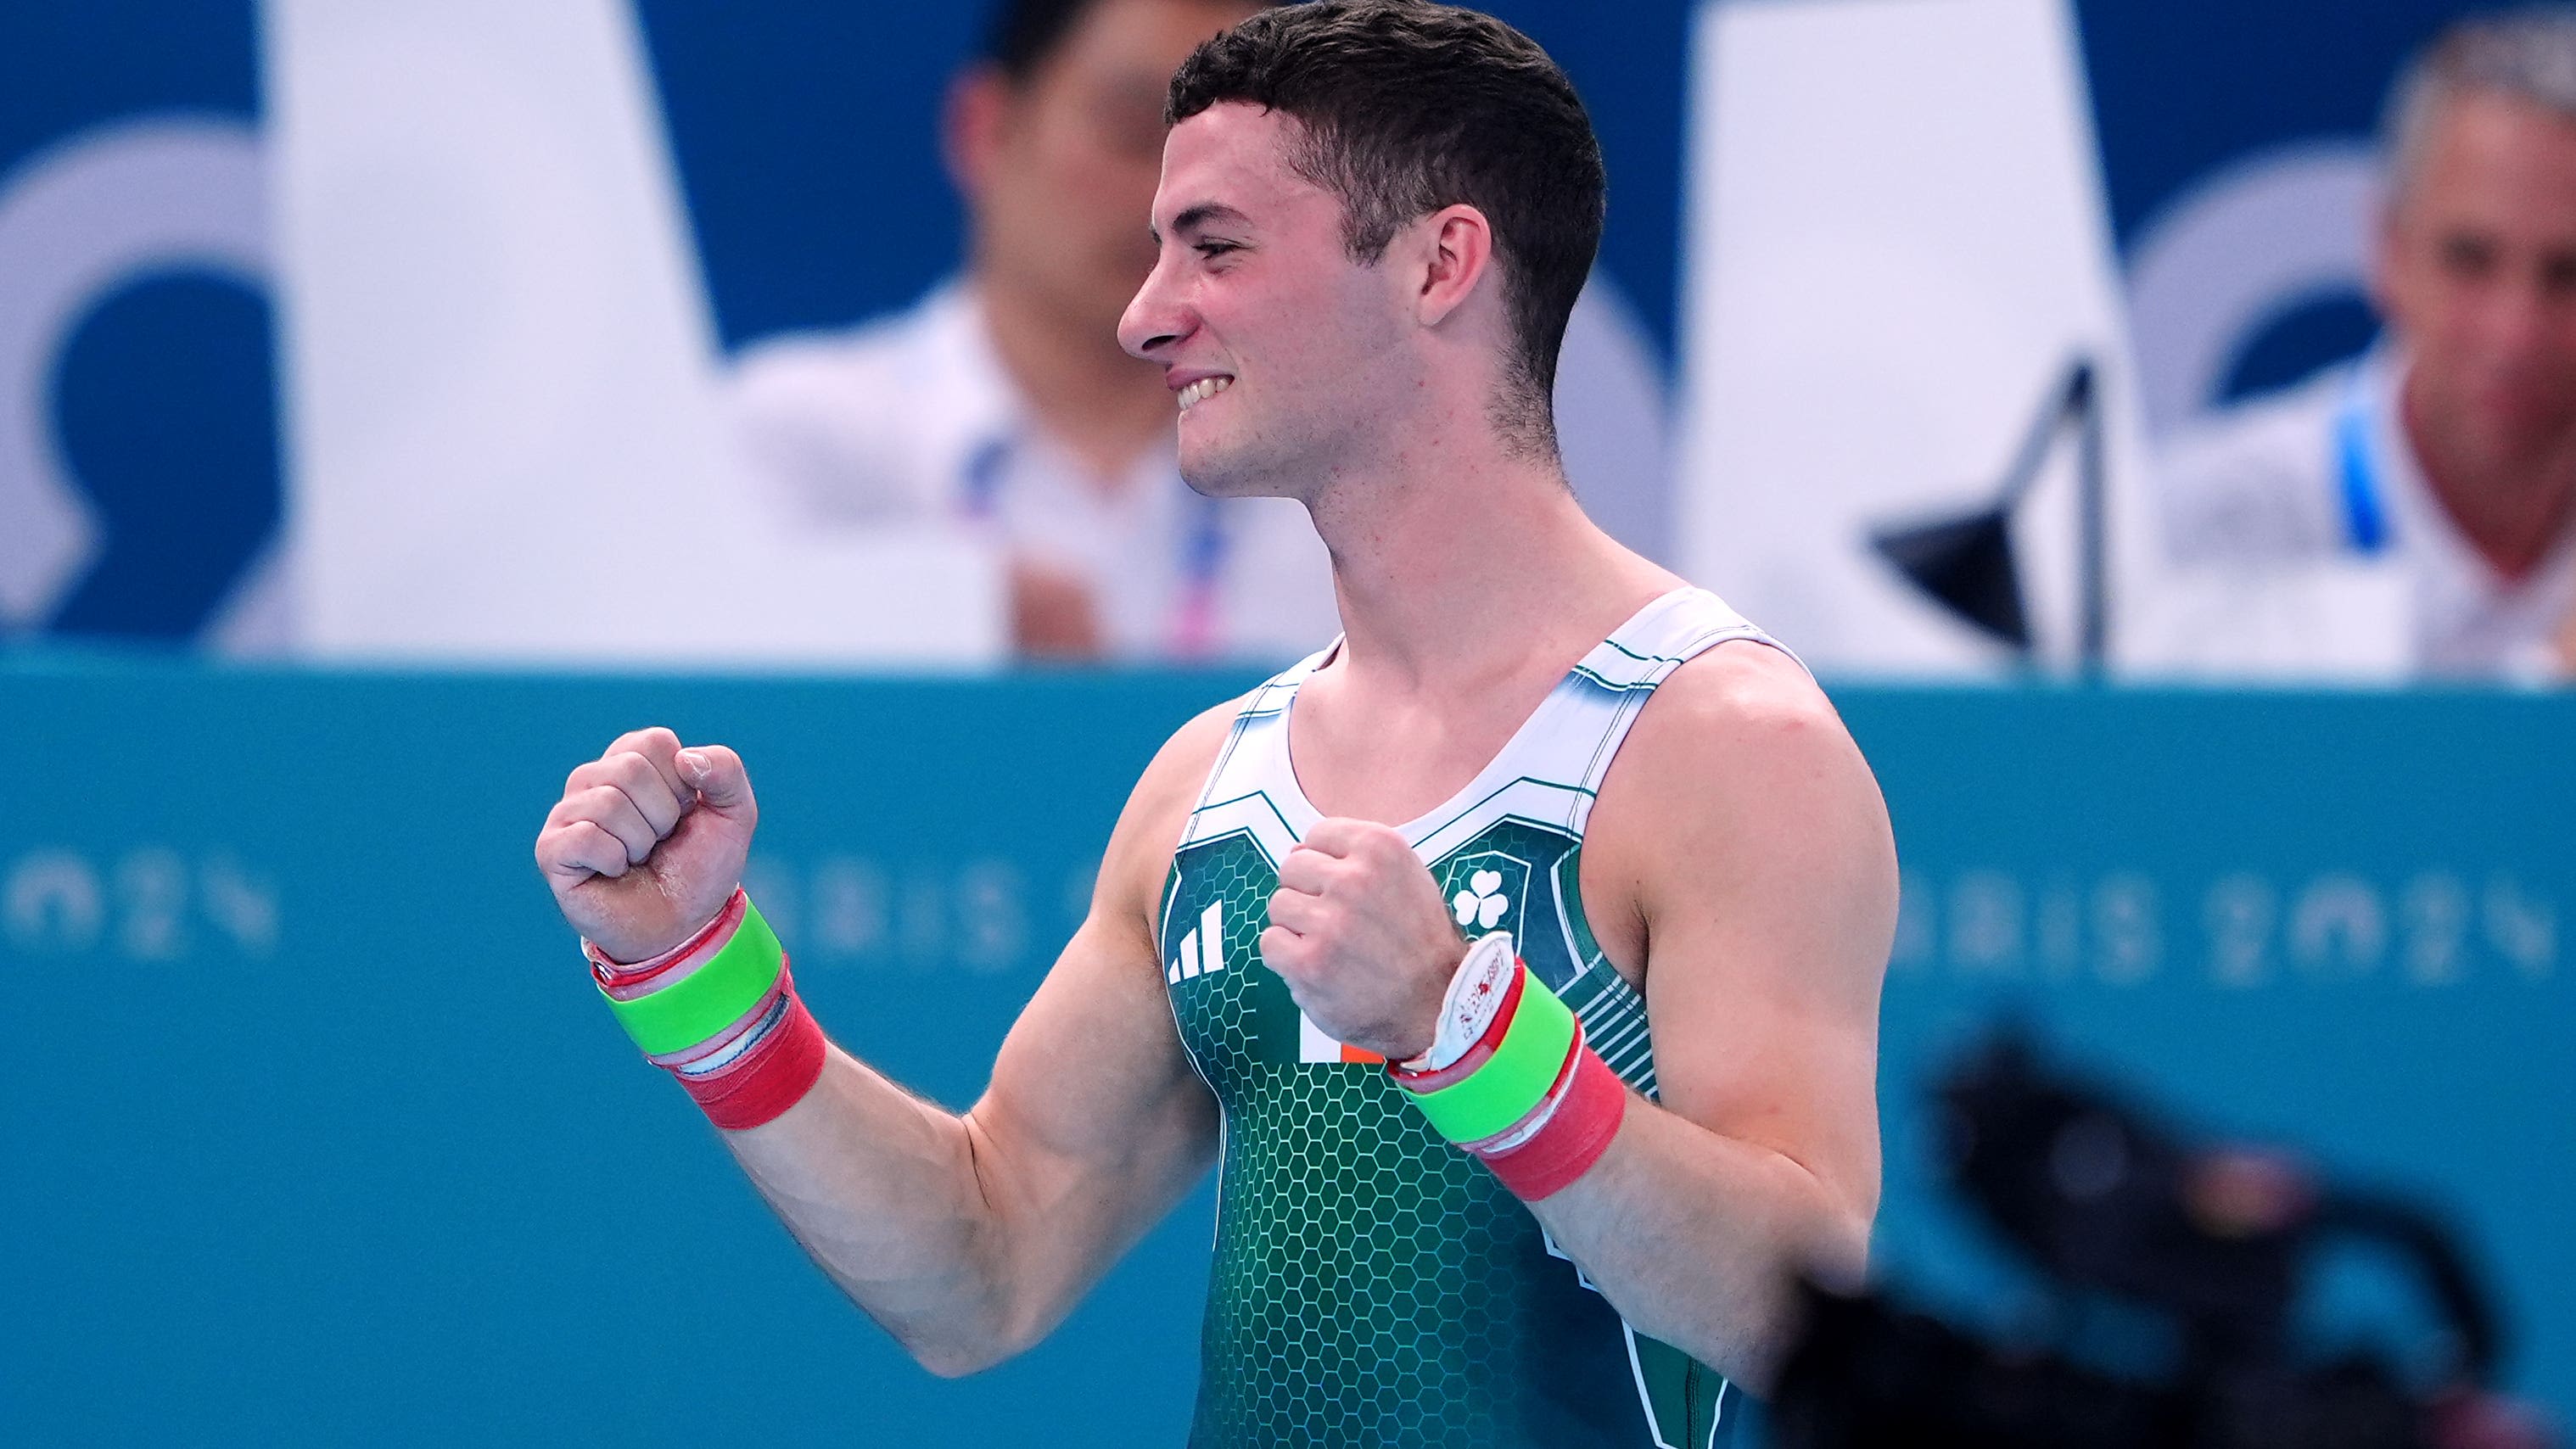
2512, 512
1107, 408
1460, 570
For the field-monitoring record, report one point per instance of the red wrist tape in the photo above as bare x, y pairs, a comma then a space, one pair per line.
1587, 1109
626, 979
744, 1072
776, 1074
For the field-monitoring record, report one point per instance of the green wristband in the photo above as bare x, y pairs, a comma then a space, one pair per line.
709, 999
1515, 1079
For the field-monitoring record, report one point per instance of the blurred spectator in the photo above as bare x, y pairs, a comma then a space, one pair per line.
1003, 395
2413, 513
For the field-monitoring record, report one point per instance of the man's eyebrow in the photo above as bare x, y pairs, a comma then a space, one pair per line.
1204, 214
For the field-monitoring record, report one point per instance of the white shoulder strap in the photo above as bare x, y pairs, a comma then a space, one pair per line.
1255, 750
1590, 714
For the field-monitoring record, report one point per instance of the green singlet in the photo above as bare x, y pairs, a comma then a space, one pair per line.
1374, 1285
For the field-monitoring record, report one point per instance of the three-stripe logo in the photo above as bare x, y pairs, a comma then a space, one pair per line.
1202, 950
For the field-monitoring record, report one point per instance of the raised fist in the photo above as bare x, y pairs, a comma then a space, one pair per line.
648, 842
1361, 936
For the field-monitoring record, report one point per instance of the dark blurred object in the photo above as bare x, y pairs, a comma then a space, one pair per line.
1966, 560
2213, 1240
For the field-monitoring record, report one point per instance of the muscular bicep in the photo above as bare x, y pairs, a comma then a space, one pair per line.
1764, 876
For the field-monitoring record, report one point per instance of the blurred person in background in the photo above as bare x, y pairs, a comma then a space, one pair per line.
1003, 395
2436, 475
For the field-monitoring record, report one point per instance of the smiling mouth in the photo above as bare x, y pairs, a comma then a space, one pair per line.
1203, 389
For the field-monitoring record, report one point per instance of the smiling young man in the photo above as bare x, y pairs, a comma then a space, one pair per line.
1544, 1189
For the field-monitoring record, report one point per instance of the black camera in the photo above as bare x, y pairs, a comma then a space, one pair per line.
2209, 1244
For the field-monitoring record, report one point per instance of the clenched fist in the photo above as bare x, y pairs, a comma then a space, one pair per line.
1361, 936
648, 842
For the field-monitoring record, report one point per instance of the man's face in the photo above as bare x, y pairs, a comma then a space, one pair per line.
1075, 149
2478, 274
1285, 355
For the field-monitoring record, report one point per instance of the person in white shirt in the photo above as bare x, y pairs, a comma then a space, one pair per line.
2413, 514
1003, 397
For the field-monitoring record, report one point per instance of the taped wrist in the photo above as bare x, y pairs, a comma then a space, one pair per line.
720, 1013
1509, 1078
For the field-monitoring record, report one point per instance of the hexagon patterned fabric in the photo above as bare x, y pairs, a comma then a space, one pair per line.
1372, 1284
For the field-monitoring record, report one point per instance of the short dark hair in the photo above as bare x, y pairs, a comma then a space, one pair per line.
1407, 107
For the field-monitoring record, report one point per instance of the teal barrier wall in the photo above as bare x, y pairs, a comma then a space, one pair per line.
317, 1135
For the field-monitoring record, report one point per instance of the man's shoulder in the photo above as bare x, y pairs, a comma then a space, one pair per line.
2256, 481
1732, 705
1181, 766
1158, 808
1738, 770
1739, 740
1723, 740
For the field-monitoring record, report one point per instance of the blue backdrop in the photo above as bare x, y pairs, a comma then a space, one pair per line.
319, 1135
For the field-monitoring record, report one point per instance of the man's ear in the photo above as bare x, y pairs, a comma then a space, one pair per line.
1454, 249
972, 119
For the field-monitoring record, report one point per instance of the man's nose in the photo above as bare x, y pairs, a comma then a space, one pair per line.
1153, 320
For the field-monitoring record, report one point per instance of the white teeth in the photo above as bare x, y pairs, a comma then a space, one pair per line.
1203, 389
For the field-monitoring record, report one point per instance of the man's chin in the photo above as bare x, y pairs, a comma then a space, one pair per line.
1219, 473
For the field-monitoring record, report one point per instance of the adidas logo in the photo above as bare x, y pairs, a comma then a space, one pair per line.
1202, 950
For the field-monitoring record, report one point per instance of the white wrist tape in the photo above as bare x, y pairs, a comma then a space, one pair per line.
1475, 993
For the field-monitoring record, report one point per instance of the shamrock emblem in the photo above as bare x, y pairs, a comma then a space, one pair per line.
1481, 904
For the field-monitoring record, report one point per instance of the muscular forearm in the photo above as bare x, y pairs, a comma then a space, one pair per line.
883, 1190
970, 1236
1699, 1239
967, 1236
